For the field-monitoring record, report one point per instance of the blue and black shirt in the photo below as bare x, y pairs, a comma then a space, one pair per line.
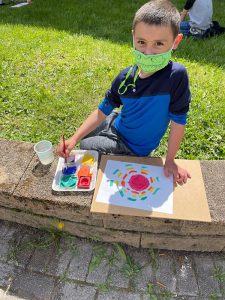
148, 108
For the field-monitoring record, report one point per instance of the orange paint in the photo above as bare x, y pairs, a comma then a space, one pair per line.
84, 171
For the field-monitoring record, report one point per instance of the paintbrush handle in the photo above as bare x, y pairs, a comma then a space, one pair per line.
64, 147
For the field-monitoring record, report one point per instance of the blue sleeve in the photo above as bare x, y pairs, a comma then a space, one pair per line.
112, 94
180, 119
189, 4
180, 96
112, 97
106, 107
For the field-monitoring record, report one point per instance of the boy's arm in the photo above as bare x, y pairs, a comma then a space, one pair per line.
171, 168
187, 6
93, 121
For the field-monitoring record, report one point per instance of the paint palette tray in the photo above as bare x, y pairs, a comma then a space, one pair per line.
78, 173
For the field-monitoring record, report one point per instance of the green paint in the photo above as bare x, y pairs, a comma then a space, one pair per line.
121, 193
131, 199
156, 191
111, 182
143, 198
117, 170
68, 181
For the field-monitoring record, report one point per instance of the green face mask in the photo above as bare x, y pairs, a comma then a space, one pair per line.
151, 63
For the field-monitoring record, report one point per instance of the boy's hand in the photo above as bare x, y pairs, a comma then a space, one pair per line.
69, 145
183, 14
180, 175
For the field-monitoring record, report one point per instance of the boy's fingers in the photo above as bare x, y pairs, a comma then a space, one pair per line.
68, 152
60, 149
69, 147
185, 180
180, 179
166, 172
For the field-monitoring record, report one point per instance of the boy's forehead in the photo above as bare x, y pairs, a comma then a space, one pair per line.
153, 32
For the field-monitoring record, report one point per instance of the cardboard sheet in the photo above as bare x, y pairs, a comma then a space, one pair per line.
189, 200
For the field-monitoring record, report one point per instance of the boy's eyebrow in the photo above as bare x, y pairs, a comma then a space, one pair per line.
162, 40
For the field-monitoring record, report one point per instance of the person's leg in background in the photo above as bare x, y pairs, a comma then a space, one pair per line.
185, 28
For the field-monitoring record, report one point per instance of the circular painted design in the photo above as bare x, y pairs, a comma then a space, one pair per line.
138, 182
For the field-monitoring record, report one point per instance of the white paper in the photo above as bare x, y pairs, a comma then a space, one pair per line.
20, 4
115, 187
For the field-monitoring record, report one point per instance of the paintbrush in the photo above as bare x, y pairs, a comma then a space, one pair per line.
64, 148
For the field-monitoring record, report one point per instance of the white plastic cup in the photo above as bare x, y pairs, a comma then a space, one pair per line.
44, 151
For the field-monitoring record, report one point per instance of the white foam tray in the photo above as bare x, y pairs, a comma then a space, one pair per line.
79, 154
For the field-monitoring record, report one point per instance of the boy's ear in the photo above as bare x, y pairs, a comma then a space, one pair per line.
177, 41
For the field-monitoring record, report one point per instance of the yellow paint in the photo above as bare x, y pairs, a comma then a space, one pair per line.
88, 160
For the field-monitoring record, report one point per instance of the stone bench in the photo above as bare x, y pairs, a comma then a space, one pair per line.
26, 197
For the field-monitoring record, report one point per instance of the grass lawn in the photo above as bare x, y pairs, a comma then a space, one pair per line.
58, 58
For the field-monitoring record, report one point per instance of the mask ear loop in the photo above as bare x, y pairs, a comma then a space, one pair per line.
125, 87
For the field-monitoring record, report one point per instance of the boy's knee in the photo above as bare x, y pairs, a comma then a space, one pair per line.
92, 143
85, 145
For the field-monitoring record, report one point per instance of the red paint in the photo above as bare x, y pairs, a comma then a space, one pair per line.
84, 182
132, 172
134, 192
124, 176
139, 182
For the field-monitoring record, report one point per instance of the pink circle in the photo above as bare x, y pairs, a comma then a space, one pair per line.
138, 182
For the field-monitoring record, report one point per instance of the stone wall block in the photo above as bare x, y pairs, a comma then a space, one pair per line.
187, 243
36, 183
15, 158
77, 229
203, 228
142, 224
50, 208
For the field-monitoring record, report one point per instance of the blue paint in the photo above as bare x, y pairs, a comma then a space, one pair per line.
69, 170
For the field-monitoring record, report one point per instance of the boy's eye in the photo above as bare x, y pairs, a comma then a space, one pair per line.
141, 42
158, 44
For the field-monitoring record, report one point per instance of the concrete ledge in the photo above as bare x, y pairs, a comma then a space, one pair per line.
26, 197
78, 229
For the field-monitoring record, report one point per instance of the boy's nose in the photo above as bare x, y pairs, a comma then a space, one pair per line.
149, 50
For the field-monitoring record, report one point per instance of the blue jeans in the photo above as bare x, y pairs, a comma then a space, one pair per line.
185, 28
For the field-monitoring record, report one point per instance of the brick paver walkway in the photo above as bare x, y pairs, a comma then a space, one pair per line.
36, 264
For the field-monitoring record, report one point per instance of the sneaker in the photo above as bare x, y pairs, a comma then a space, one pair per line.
196, 32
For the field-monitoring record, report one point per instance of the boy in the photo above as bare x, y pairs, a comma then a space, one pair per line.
152, 93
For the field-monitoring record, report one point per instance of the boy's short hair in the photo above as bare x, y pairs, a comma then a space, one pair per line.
158, 12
